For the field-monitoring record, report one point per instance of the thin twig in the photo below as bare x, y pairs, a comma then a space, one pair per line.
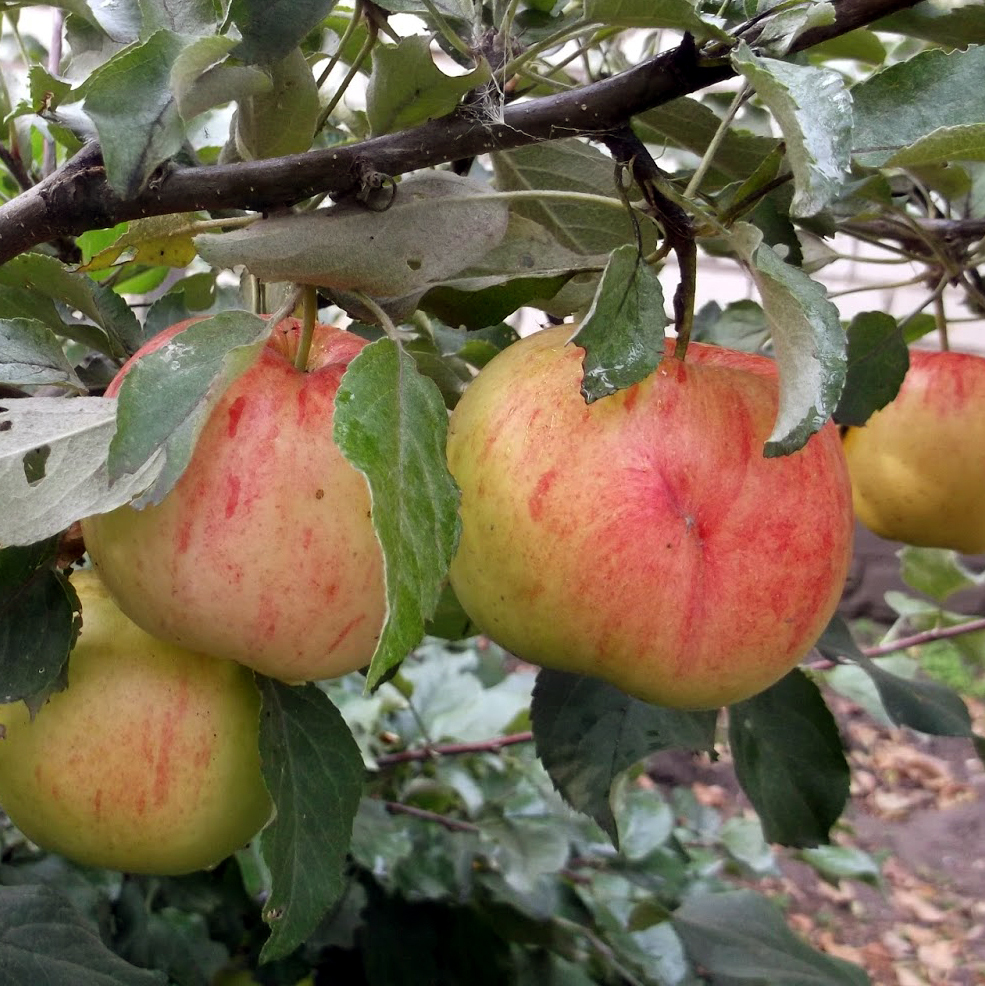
924, 637
452, 824
493, 745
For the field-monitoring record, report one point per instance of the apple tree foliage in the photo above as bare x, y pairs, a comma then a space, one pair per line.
447, 817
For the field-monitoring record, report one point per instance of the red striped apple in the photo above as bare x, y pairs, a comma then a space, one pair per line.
918, 465
264, 552
148, 762
645, 539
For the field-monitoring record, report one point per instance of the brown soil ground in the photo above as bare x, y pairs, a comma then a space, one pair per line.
918, 806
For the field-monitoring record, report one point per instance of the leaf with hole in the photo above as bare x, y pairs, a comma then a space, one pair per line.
75, 482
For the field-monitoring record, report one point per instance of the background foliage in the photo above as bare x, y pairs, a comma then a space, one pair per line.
470, 821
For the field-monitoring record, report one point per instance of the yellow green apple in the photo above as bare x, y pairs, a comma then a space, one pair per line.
264, 552
644, 538
148, 762
918, 465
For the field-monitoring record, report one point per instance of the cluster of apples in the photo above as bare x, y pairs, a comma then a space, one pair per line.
643, 539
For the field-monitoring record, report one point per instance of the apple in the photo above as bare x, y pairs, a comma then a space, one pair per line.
264, 552
148, 762
918, 465
645, 539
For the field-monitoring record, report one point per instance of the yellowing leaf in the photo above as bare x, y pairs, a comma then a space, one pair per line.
158, 241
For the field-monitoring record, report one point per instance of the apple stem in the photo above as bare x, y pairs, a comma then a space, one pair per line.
941, 320
310, 303
383, 320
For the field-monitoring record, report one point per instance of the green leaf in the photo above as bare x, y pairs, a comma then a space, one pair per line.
743, 838
877, 362
740, 937
527, 265
907, 101
16, 302
678, 14
201, 79
936, 572
192, 17
119, 332
922, 705
271, 28
458, 9
842, 863
406, 87
282, 119
38, 621
625, 912
587, 732
966, 143
142, 131
861, 44
570, 166
623, 332
786, 22
390, 423
43, 939
938, 21
692, 125
348, 247
789, 760
837, 640
808, 339
741, 325
31, 356
168, 395
814, 112
451, 702
314, 772
74, 438
645, 821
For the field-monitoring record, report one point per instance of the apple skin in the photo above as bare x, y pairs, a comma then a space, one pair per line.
918, 465
148, 762
264, 552
644, 539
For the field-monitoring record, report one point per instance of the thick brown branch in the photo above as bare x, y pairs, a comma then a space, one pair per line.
77, 197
